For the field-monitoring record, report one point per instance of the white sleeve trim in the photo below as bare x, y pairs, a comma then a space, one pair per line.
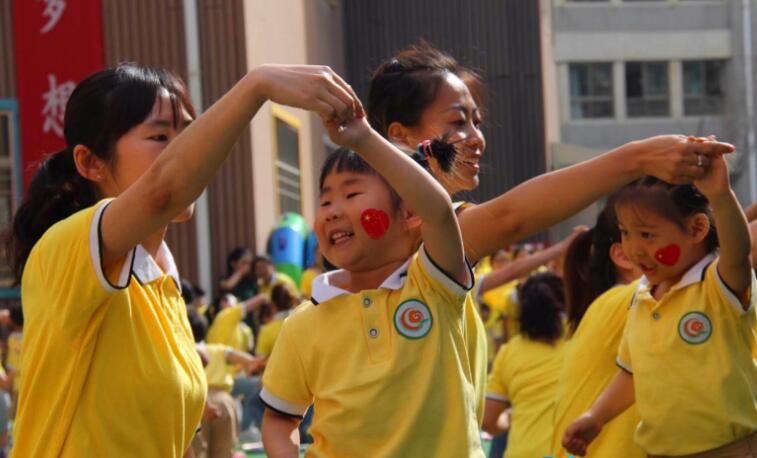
497, 397
94, 251
444, 278
281, 405
728, 294
623, 365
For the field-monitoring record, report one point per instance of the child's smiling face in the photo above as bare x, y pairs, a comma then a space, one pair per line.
662, 249
357, 225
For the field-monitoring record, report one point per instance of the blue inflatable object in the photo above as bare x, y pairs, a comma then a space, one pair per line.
311, 246
287, 245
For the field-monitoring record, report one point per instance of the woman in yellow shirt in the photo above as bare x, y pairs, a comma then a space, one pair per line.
109, 362
526, 368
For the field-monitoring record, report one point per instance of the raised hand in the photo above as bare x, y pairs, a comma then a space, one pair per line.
676, 158
313, 88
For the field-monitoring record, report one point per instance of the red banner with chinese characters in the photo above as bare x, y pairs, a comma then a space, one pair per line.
58, 43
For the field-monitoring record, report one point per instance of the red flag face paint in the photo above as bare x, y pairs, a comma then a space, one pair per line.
668, 255
375, 222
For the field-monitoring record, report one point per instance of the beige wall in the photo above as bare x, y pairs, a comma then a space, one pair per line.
288, 32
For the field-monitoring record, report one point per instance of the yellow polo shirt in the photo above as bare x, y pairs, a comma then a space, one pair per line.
278, 278
306, 281
109, 361
587, 368
269, 332
691, 358
217, 375
227, 329
14, 357
386, 369
525, 374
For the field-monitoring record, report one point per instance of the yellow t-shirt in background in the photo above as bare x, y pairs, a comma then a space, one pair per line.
217, 374
278, 278
14, 357
109, 361
525, 374
587, 369
269, 333
227, 329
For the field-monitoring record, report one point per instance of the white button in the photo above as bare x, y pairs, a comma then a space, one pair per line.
373, 332
367, 301
655, 316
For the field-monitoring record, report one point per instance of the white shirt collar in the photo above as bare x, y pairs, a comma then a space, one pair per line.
695, 274
147, 270
323, 290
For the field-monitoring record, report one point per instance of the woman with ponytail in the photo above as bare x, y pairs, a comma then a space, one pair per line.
109, 362
525, 371
599, 285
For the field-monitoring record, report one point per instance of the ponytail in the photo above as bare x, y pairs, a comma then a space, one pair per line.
56, 191
101, 109
589, 270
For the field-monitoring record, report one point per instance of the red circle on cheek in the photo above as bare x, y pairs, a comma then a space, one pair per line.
375, 222
668, 255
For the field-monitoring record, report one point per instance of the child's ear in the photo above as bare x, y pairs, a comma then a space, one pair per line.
412, 221
699, 227
397, 133
619, 258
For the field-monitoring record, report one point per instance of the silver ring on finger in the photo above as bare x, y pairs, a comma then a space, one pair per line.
700, 161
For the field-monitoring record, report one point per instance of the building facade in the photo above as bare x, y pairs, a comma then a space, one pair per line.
629, 69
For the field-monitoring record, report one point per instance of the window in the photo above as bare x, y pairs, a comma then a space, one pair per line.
647, 91
287, 164
702, 87
591, 90
10, 184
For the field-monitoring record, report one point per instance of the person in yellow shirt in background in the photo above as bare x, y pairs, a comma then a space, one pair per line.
599, 286
686, 353
283, 301
310, 273
228, 327
13, 318
267, 276
219, 433
109, 363
524, 376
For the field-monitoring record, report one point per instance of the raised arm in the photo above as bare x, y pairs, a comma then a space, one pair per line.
550, 198
188, 163
523, 266
735, 264
417, 188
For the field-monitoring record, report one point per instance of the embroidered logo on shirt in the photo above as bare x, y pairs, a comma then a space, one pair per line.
695, 328
413, 319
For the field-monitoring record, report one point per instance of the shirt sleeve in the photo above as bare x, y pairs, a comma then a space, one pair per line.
67, 262
623, 360
496, 387
285, 389
440, 281
715, 286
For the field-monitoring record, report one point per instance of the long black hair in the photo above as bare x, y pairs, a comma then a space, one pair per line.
101, 109
589, 269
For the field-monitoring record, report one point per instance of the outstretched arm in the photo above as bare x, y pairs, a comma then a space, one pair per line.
550, 198
188, 163
735, 264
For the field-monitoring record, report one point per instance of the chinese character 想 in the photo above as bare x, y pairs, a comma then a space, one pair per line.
55, 105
